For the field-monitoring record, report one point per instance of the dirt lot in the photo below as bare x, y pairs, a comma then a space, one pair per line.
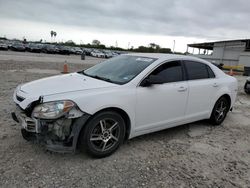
194, 155
41, 57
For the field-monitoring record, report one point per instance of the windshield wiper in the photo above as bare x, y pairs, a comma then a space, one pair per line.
101, 78
97, 77
82, 72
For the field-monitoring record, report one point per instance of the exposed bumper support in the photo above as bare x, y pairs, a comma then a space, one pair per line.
68, 145
76, 130
13, 115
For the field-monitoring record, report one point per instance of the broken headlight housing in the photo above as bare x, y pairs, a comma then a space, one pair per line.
52, 110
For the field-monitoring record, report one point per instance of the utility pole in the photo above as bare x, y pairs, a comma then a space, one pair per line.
174, 46
128, 45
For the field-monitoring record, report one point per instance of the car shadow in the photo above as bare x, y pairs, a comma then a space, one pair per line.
164, 136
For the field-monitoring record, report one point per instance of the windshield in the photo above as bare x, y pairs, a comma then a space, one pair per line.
119, 70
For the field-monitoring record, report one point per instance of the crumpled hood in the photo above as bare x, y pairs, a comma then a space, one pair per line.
62, 84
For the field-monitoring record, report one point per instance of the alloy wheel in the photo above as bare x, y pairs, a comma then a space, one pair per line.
221, 111
105, 134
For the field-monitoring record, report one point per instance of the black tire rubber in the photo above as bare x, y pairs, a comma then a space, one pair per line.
247, 91
85, 142
28, 135
213, 119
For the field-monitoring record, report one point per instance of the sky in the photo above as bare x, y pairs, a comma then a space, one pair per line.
127, 22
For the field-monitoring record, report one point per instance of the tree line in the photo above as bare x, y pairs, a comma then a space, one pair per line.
151, 48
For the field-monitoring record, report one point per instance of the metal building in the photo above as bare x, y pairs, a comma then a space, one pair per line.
231, 52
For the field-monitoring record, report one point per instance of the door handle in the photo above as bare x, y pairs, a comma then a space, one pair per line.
182, 89
215, 85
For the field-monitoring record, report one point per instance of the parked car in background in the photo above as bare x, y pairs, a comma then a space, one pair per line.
8, 43
247, 86
76, 50
108, 54
121, 98
32, 47
18, 46
50, 49
220, 66
64, 50
115, 54
97, 53
87, 51
3, 46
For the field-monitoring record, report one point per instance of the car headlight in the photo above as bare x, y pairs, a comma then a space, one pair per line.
52, 110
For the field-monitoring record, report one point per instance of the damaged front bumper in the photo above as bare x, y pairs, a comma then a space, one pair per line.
59, 135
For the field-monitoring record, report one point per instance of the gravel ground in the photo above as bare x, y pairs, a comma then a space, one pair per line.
193, 155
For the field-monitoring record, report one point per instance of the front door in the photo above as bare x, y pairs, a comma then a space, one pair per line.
161, 105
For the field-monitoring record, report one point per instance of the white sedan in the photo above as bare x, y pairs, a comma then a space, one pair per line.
121, 98
97, 54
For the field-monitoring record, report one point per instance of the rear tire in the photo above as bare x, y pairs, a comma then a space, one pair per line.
220, 111
103, 134
245, 88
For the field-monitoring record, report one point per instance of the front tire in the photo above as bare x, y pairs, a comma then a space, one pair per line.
103, 134
220, 111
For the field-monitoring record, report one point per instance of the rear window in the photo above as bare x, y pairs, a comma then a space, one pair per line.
196, 70
210, 72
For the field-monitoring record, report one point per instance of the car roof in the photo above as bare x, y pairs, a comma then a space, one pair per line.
164, 57
174, 57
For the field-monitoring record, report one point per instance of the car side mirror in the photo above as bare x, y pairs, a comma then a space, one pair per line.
151, 80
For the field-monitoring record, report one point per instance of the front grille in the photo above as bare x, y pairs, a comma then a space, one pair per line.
20, 99
27, 123
31, 126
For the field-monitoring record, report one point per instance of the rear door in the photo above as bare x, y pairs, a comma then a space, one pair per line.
202, 88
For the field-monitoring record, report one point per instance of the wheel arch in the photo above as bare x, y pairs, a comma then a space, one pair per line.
212, 118
124, 115
227, 96
120, 111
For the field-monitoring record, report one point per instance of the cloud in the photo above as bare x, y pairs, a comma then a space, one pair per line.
211, 19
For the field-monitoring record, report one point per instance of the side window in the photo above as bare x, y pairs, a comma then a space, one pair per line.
169, 72
196, 70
